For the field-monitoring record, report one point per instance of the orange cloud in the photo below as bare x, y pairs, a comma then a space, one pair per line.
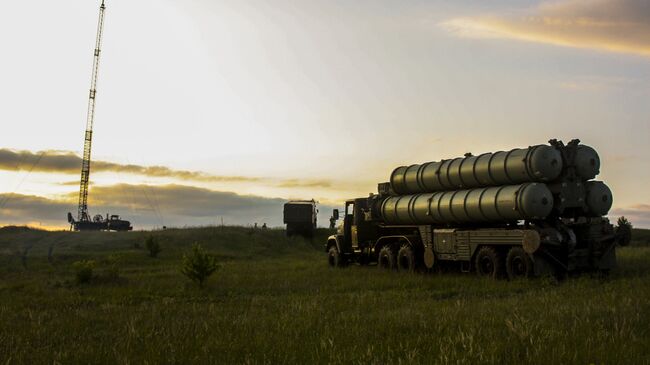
69, 163
607, 25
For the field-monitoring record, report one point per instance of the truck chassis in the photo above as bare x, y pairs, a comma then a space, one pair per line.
511, 250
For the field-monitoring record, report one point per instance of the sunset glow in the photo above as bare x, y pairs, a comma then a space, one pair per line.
211, 110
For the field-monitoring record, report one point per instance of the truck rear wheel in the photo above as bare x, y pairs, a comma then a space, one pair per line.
406, 259
518, 264
387, 259
489, 263
334, 258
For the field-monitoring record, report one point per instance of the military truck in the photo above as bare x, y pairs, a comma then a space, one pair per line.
300, 217
521, 213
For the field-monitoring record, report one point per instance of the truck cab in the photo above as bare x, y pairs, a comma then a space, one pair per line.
114, 223
355, 237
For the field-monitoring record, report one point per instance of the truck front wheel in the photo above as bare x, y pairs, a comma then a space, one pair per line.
387, 259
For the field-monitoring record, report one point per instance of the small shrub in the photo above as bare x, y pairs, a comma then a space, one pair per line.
152, 246
199, 265
622, 221
83, 271
624, 231
112, 271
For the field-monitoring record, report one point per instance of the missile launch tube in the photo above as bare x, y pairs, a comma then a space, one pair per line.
587, 162
493, 204
599, 198
539, 163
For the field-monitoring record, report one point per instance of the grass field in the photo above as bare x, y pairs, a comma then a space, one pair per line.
274, 301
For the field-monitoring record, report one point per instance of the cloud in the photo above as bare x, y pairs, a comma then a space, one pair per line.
609, 25
69, 163
21, 208
297, 183
638, 215
73, 183
147, 206
597, 83
66, 162
44, 161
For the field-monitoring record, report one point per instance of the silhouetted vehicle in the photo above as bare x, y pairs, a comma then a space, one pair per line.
99, 223
526, 212
300, 217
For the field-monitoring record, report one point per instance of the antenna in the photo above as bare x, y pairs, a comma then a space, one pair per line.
83, 222
82, 214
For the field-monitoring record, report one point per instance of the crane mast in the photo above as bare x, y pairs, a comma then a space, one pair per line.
83, 222
82, 214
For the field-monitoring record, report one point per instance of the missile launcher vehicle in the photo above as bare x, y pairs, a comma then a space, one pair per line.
526, 212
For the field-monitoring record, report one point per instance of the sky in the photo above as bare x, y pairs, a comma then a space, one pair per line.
210, 110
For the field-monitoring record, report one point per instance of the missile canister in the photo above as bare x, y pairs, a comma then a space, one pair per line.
599, 198
506, 203
539, 163
587, 162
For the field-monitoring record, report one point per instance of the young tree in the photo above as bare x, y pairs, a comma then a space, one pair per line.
624, 231
153, 246
199, 265
83, 271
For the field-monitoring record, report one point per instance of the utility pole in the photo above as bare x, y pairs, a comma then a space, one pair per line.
82, 214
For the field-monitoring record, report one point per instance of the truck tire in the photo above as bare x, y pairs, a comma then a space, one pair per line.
406, 259
334, 258
386, 259
518, 264
489, 263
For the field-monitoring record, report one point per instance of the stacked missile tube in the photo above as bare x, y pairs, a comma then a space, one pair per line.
531, 183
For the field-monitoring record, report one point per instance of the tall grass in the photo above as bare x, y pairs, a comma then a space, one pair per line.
275, 301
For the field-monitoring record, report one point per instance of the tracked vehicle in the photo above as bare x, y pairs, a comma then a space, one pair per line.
521, 213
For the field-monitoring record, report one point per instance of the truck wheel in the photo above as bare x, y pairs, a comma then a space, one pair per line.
489, 263
406, 259
386, 260
334, 258
518, 264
